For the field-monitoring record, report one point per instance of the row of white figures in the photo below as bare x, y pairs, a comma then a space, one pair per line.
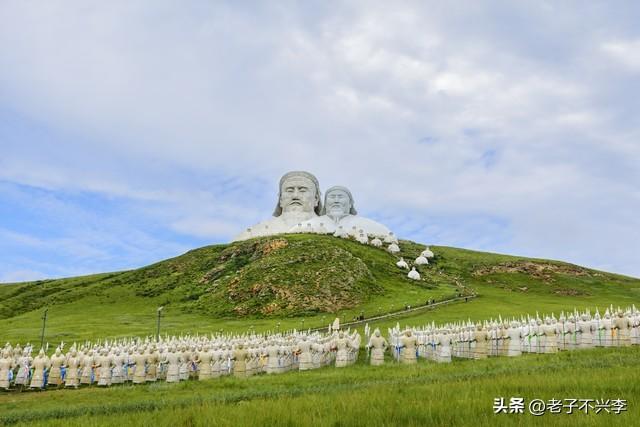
175, 359
497, 337
359, 235
422, 259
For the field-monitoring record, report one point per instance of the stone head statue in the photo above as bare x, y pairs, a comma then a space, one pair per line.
338, 202
299, 192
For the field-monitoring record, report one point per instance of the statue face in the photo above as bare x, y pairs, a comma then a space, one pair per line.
338, 203
298, 194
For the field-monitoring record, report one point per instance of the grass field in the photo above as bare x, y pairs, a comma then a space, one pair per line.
460, 393
198, 289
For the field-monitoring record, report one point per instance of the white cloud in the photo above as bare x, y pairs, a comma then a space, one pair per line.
192, 113
625, 52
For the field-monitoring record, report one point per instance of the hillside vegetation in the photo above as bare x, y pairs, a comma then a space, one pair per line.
298, 281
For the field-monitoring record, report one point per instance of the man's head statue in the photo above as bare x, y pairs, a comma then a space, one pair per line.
338, 202
299, 192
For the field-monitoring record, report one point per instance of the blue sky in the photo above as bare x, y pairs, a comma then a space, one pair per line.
134, 131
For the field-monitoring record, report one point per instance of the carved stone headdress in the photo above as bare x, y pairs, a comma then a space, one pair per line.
352, 211
318, 208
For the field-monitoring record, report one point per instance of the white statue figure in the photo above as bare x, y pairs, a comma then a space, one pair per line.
72, 367
621, 330
390, 238
335, 326
117, 375
376, 242
321, 229
105, 363
402, 264
443, 340
342, 345
514, 334
585, 329
362, 238
240, 356
408, 343
607, 329
153, 358
339, 211
427, 253
6, 367
341, 232
86, 361
413, 274
40, 363
173, 359
305, 361
298, 202
140, 362
55, 373
421, 261
273, 359
185, 360
203, 360
481, 339
216, 361
393, 248
571, 333
635, 326
24, 368
550, 337
377, 345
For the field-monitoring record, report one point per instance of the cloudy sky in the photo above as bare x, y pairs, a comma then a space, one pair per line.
132, 131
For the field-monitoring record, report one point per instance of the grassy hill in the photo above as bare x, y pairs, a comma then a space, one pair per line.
297, 281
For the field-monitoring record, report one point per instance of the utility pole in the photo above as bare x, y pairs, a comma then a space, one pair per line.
44, 324
158, 326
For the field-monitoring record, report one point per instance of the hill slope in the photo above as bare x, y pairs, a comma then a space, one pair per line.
287, 280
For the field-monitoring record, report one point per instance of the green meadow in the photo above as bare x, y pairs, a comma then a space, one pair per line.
460, 393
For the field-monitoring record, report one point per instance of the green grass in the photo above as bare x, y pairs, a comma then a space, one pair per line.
460, 393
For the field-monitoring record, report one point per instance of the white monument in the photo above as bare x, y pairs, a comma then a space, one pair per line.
298, 202
300, 210
339, 210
